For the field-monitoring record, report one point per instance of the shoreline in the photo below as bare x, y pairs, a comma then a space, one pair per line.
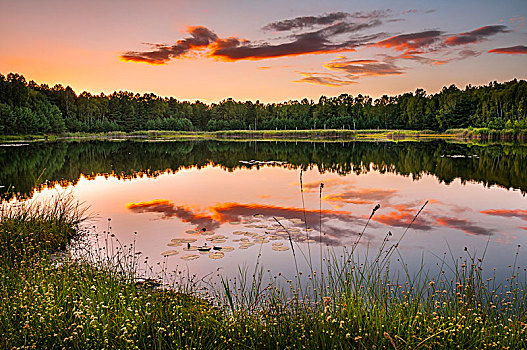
317, 135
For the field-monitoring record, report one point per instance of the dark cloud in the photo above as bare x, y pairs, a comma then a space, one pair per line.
169, 209
324, 20
468, 53
464, 225
414, 11
507, 213
336, 36
415, 45
476, 35
315, 42
375, 14
306, 21
200, 37
413, 42
362, 68
512, 50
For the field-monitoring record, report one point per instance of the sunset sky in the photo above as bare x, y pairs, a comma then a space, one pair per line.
270, 51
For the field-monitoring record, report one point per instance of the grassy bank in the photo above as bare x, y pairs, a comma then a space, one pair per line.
51, 300
484, 134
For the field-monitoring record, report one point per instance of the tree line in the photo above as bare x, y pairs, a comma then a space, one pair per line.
29, 108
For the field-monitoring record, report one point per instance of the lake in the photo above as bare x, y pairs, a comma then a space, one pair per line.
247, 198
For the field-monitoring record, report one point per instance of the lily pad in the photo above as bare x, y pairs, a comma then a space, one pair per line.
190, 257
169, 252
216, 255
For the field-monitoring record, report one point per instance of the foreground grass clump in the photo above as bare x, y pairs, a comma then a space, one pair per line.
50, 300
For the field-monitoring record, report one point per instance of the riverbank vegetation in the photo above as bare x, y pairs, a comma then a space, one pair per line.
54, 297
30, 108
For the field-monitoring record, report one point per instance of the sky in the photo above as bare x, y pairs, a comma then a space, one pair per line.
271, 51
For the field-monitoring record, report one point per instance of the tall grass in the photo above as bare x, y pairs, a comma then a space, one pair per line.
90, 297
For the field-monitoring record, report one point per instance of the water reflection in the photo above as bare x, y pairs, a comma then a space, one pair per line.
238, 200
45, 164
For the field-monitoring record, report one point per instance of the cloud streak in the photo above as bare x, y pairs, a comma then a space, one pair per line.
412, 42
465, 226
402, 218
323, 79
507, 213
168, 210
306, 21
475, 36
364, 68
324, 20
200, 37
512, 50
361, 196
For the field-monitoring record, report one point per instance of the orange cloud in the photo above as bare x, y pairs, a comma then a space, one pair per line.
337, 225
228, 212
200, 38
402, 218
361, 196
148, 204
508, 213
169, 209
512, 50
411, 42
329, 183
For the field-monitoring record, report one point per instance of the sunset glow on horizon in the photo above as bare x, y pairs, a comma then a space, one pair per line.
270, 51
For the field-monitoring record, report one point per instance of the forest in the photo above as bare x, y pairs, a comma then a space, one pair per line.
27, 108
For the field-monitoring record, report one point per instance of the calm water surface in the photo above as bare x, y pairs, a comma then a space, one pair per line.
165, 194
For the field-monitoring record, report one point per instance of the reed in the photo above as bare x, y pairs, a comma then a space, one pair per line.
89, 296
